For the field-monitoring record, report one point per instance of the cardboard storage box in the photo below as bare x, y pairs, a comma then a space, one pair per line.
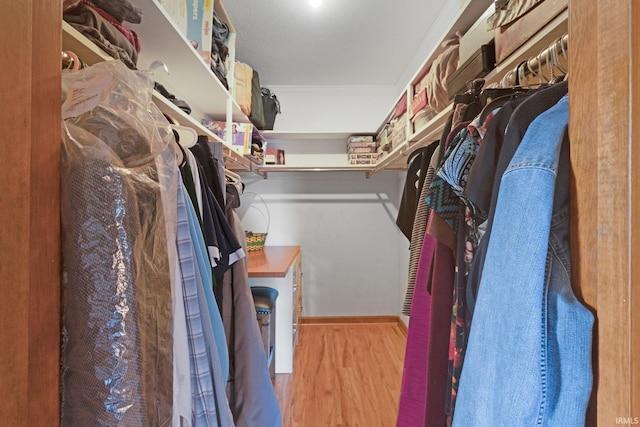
369, 149
512, 36
199, 22
194, 19
359, 139
364, 156
419, 102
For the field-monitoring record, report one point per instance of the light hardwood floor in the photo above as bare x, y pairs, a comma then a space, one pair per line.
345, 375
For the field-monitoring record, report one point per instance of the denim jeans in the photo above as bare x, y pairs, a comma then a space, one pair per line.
528, 360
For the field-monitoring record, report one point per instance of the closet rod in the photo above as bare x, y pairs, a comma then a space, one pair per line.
535, 66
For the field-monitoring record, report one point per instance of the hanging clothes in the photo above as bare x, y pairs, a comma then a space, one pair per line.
204, 405
139, 276
118, 176
208, 284
462, 210
251, 394
419, 223
223, 246
518, 123
439, 327
203, 153
534, 368
455, 172
425, 369
417, 165
412, 404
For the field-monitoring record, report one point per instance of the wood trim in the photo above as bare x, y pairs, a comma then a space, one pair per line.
15, 91
584, 177
29, 213
44, 241
604, 85
634, 252
403, 326
325, 320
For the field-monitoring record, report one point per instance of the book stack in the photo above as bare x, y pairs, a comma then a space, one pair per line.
361, 150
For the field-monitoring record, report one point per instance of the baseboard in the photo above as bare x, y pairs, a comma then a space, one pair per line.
403, 327
327, 320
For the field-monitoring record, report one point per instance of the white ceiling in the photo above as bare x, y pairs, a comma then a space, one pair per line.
341, 42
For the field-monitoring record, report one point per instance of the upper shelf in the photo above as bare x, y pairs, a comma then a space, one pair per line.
432, 130
271, 135
189, 78
464, 19
91, 54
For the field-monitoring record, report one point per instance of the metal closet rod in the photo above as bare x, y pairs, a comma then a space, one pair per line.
547, 60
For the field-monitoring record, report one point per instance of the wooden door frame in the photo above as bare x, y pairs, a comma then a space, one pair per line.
604, 87
29, 212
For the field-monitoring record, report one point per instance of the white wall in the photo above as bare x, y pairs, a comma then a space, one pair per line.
433, 37
333, 108
354, 257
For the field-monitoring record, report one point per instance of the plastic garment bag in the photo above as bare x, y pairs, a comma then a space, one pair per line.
118, 215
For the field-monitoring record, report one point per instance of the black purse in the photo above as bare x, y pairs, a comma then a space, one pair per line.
270, 108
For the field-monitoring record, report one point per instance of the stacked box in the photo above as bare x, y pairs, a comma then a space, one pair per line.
363, 158
360, 150
361, 144
383, 139
355, 139
399, 132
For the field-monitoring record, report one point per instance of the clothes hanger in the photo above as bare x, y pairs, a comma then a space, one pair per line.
495, 98
234, 179
70, 61
187, 137
502, 100
181, 156
556, 61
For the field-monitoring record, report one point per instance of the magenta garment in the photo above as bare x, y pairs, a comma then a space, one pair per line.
411, 412
439, 327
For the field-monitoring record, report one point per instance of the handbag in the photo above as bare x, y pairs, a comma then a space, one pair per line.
270, 108
257, 113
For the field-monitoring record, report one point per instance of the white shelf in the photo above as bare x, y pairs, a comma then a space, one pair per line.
286, 168
189, 78
233, 160
465, 18
92, 54
271, 135
432, 130
541, 40
73, 40
192, 80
